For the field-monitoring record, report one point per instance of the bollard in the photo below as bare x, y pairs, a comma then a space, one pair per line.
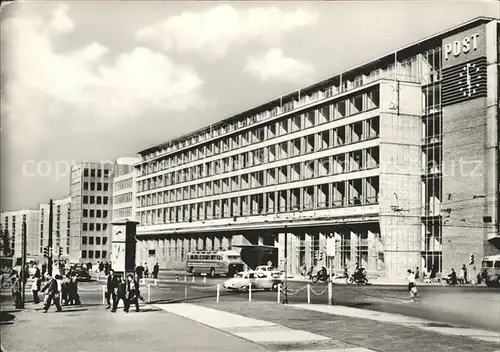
308, 293
250, 292
218, 292
192, 278
103, 294
149, 293
186, 293
279, 292
185, 279
330, 293
204, 279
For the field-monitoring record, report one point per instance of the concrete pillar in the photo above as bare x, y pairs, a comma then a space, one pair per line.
308, 249
225, 242
354, 252
281, 249
322, 247
209, 243
199, 243
372, 254
217, 243
338, 258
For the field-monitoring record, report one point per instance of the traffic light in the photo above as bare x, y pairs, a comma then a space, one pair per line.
471, 259
60, 251
46, 252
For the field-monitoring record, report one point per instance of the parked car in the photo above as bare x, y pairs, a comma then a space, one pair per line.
268, 270
258, 280
81, 273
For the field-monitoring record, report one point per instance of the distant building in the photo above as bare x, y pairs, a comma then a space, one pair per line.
61, 227
391, 165
12, 221
91, 208
123, 197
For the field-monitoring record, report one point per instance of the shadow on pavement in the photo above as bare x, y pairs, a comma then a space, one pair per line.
6, 317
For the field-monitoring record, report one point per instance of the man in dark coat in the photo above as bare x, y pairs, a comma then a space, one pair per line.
156, 269
111, 287
132, 294
52, 294
119, 292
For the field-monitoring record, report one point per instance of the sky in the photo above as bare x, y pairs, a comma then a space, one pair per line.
94, 81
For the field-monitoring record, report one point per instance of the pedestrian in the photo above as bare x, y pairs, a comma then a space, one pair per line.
111, 285
16, 290
64, 290
132, 294
53, 294
453, 277
464, 268
35, 287
73, 296
119, 292
412, 288
101, 267
156, 269
146, 270
417, 274
44, 270
106, 268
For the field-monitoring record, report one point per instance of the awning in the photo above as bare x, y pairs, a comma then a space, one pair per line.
258, 246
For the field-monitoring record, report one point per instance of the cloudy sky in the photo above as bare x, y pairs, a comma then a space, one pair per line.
96, 81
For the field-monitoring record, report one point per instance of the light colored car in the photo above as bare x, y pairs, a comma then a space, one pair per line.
269, 271
258, 280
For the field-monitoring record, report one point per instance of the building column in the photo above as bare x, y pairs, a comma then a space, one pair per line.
225, 242
308, 249
372, 255
354, 252
281, 250
209, 243
217, 243
322, 247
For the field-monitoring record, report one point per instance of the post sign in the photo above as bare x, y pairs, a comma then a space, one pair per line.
123, 246
330, 246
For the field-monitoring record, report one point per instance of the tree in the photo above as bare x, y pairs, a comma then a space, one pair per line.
5, 243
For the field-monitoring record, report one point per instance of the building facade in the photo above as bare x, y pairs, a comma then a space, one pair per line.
12, 222
393, 164
123, 197
61, 227
92, 207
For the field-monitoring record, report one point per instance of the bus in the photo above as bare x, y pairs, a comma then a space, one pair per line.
490, 270
224, 262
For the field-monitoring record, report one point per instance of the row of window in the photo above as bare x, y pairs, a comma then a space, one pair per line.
360, 102
96, 172
91, 213
363, 191
91, 240
95, 186
95, 200
123, 184
332, 138
123, 198
362, 159
122, 213
94, 226
94, 254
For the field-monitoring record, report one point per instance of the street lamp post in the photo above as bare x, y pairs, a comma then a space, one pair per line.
23, 270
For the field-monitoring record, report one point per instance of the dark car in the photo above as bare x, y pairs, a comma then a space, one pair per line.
81, 272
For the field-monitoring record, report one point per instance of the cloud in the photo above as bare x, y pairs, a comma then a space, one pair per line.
274, 65
213, 32
45, 85
61, 22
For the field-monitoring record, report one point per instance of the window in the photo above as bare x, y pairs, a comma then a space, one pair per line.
85, 213
84, 226
91, 227
99, 174
99, 199
97, 254
104, 213
104, 254
92, 173
105, 226
105, 186
99, 186
91, 240
98, 240
92, 213
84, 239
85, 199
92, 186
85, 172
84, 254
98, 214
85, 186
92, 200
91, 254
104, 241
98, 227
105, 200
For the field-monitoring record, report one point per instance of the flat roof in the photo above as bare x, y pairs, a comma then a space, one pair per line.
407, 48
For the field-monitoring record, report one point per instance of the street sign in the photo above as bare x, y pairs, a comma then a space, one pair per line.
330, 247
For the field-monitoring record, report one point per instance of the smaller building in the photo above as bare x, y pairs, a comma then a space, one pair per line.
12, 222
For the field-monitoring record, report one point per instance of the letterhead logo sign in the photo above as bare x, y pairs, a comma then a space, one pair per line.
464, 82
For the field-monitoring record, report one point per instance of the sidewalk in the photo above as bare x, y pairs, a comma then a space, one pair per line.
330, 327
92, 328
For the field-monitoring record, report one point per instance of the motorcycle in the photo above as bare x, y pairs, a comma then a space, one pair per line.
320, 277
357, 279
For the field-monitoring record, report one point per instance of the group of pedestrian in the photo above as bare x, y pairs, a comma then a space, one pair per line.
143, 271
127, 290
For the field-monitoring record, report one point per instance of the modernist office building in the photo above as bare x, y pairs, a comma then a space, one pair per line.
12, 222
396, 160
61, 227
91, 208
